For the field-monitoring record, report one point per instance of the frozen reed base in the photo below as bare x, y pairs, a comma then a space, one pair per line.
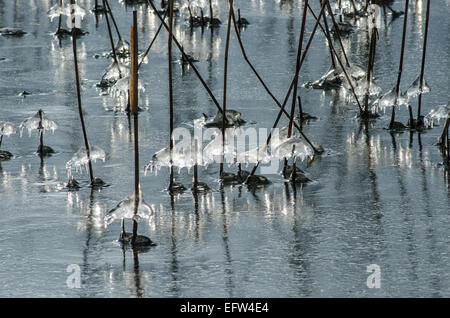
45, 151
12, 31
305, 117
368, 115
397, 127
73, 185
229, 178
5, 155
417, 124
98, 9
199, 187
141, 242
176, 188
62, 33
300, 176
233, 119
97, 183
257, 181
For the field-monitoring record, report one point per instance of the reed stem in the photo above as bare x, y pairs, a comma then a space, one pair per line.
330, 43
112, 42
225, 72
191, 64
41, 132
113, 20
153, 41
282, 110
171, 182
77, 81
327, 34
297, 67
400, 66
60, 16
211, 13
424, 52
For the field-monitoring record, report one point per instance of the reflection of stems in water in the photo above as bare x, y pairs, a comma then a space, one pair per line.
400, 67
137, 275
112, 42
185, 57
444, 141
89, 228
197, 217
224, 103
174, 249
300, 110
228, 269
195, 165
77, 79
422, 69
372, 174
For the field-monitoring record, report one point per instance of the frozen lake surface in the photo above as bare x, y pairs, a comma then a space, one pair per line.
376, 198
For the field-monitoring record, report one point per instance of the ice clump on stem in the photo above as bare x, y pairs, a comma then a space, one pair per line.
126, 208
112, 72
293, 147
58, 10
37, 123
119, 90
390, 99
374, 19
435, 115
414, 90
80, 159
7, 129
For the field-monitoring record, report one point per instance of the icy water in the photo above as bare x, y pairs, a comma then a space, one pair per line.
375, 198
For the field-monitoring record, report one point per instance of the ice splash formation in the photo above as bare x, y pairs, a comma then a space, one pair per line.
112, 72
390, 99
65, 9
414, 90
38, 122
335, 78
125, 209
283, 147
183, 156
7, 129
119, 91
80, 159
435, 115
